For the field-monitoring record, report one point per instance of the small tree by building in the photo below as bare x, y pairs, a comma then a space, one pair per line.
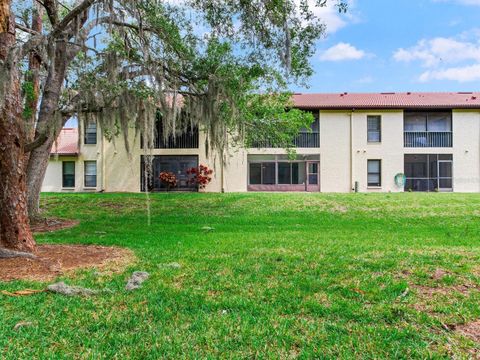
200, 176
168, 179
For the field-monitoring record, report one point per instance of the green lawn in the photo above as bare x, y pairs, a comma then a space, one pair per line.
280, 276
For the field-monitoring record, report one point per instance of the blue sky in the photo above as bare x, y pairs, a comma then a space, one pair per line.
399, 45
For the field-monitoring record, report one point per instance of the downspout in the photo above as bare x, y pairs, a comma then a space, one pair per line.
222, 177
104, 180
351, 150
222, 162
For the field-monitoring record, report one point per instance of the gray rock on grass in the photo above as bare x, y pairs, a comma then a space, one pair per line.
172, 265
136, 280
67, 290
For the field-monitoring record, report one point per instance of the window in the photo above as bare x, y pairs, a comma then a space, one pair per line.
284, 173
428, 122
255, 174
91, 133
68, 174
374, 173
277, 173
374, 126
90, 174
415, 122
262, 173
268, 173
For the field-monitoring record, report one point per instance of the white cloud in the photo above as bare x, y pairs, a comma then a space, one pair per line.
329, 14
460, 74
342, 51
454, 59
439, 50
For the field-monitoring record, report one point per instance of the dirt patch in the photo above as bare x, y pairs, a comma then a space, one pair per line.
470, 330
52, 224
54, 260
337, 208
430, 292
439, 274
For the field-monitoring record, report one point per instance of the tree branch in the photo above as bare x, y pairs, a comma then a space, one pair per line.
72, 15
52, 11
39, 141
26, 29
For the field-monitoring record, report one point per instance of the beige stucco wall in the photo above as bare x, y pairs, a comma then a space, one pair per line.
335, 151
343, 152
389, 150
466, 151
53, 175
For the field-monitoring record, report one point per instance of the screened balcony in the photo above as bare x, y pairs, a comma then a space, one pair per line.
428, 130
307, 138
189, 139
302, 140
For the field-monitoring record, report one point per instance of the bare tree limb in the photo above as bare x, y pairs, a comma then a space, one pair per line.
26, 29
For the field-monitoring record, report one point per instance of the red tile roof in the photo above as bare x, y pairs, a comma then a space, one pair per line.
451, 100
67, 143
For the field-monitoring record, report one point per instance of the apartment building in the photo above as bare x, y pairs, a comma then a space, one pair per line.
377, 142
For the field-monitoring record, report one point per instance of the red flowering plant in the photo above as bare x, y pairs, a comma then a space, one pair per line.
200, 176
168, 179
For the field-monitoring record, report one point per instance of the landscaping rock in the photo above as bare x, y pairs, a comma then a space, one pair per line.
64, 289
135, 282
22, 324
10, 254
172, 265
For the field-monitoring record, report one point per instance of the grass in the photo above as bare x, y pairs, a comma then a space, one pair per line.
279, 276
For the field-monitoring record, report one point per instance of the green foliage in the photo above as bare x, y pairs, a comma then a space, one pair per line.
29, 96
230, 61
276, 276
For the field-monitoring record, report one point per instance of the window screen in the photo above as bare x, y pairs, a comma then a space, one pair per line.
90, 174
374, 173
68, 174
374, 129
91, 133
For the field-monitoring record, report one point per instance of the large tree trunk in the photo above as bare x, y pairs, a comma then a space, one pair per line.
37, 167
15, 231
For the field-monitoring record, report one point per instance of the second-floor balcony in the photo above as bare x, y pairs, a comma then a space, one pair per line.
306, 138
432, 129
187, 139
302, 140
427, 139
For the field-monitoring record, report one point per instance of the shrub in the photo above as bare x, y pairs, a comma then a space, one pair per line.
168, 179
200, 176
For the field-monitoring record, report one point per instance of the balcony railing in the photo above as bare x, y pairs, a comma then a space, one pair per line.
188, 140
302, 140
427, 139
